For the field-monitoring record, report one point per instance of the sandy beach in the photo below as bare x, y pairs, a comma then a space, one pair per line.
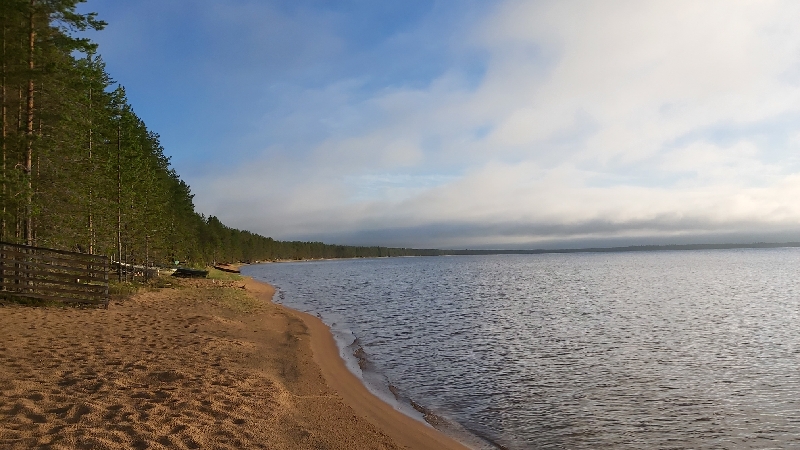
203, 364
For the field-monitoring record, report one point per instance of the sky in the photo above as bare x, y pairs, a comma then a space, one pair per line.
471, 123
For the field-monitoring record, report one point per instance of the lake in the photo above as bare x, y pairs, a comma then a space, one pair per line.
657, 350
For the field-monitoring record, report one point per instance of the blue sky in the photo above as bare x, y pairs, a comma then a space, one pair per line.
475, 124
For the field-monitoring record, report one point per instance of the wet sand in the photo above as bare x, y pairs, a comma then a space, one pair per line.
205, 364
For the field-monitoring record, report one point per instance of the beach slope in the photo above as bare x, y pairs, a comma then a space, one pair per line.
202, 364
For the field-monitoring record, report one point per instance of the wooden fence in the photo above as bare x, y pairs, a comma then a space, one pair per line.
53, 275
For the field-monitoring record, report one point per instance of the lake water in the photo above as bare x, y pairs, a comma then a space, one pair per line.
656, 350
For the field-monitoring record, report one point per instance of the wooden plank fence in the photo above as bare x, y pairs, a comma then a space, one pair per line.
54, 275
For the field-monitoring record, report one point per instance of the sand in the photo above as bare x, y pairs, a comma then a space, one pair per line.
205, 364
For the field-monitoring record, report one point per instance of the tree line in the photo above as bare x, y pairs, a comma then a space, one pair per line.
80, 171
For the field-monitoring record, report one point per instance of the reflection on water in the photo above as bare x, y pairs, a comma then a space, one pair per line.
691, 349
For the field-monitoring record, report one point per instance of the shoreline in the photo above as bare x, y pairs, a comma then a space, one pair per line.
401, 428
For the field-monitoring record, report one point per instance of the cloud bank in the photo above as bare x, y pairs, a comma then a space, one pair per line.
527, 124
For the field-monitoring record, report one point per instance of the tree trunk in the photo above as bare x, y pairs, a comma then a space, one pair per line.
146, 256
29, 130
119, 202
5, 134
91, 178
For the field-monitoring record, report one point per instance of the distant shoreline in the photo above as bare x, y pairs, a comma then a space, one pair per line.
630, 248
626, 249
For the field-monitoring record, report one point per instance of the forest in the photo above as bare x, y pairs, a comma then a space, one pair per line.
81, 171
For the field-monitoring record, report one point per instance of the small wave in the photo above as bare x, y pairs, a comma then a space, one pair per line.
360, 355
393, 389
451, 428
429, 416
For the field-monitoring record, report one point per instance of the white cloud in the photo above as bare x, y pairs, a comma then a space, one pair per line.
593, 119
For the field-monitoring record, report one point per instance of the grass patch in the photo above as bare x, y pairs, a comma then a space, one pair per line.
22, 300
236, 299
123, 288
126, 289
33, 302
162, 282
216, 274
